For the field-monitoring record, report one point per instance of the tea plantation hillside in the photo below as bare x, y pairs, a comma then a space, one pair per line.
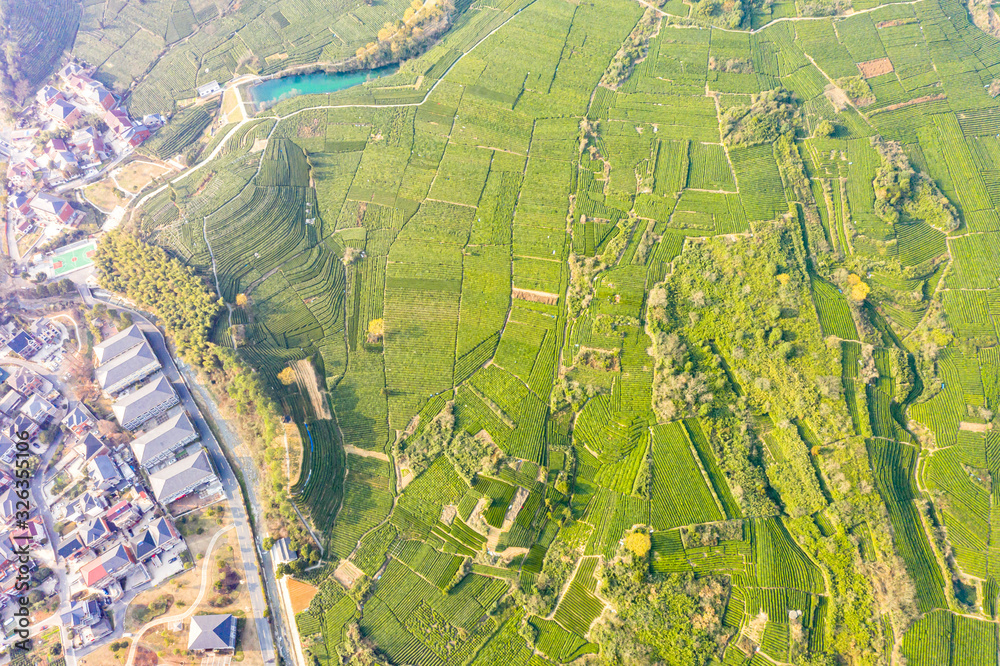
641, 339
160, 51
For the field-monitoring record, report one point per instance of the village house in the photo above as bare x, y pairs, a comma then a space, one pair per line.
117, 120
13, 427
38, 409
24, 345
86, 618
95, 93
65, 113
27, 382
89, 447
212, 633
79, 419
8, 507
104, 473
11, 402
95, 532
58, 157
116, 562
51, 208
123, 515
71, 547
21, 175
88, 144
32, 535
87, 505
160, 536
48, 95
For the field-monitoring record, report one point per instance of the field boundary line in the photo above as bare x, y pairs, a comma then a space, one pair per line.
427, 95
754, 31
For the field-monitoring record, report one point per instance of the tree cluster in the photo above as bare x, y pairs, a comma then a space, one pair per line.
731, 65
857, 90
569, 393
664, 619
404, 38
634, 48
901, 190
769, 115
582, 271
469, 455
723, 13
157, 282
679, 391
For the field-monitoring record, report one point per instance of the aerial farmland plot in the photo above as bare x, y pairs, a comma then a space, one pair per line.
645, 333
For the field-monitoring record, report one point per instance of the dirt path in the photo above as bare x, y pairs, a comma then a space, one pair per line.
365, 453
205, 569
562, 592
754, 31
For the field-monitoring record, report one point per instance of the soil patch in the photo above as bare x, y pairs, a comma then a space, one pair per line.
301, 594
918, 100
347, 574
973, 427
135, 176
305, 377
877, 67
535, 296
145, 657
102, 194
312, 130
836, 96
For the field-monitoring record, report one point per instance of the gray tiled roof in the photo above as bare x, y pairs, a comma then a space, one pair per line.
132, 405
184, 473
158, 533
167, 436
125, 364
212, 632
78, 415
118, 344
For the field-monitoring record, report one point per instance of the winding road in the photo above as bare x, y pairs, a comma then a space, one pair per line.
205, 568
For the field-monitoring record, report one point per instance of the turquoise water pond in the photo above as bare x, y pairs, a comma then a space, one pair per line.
317, 83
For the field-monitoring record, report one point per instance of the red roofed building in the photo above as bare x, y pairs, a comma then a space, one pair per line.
48, 95
118, 121
32, 535
22, 202
116, 562
67, 113
136, 135
78, 81
123, 515
97, 94
88, 143
22, 173
52, 208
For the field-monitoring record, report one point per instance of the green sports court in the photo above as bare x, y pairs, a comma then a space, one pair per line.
74, 259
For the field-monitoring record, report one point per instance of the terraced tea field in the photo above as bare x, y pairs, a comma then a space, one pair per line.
638, 338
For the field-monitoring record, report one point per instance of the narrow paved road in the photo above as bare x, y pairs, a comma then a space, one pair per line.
231, 487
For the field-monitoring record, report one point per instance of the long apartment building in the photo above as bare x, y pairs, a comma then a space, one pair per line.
124, 359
